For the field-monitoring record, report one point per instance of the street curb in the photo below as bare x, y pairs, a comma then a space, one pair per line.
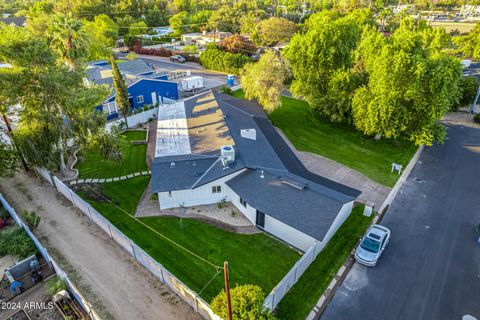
400, 182
337, 280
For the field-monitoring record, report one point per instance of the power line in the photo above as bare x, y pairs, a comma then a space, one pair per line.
155, 231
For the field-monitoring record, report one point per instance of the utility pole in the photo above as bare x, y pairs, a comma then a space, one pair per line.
227, 289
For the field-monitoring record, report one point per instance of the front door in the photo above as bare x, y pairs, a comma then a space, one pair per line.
260, 219
154, 98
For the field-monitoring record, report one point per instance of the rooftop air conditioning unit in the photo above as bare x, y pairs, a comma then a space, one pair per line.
249, 134
227, 155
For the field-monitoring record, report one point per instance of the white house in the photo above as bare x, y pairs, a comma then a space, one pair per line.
213, 148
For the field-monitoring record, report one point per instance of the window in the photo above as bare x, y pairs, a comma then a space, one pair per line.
216, 189
243, 202
140, 99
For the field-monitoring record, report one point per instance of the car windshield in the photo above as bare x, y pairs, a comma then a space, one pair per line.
370, 245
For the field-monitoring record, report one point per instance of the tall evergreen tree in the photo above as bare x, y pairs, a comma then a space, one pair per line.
121, 92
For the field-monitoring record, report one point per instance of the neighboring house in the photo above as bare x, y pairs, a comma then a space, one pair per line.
16, 21
145, 87
213, 148
203, 39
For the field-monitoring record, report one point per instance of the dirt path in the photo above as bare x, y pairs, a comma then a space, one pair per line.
117, 286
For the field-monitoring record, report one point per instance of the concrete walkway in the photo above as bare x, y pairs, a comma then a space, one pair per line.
371, 190
96, 180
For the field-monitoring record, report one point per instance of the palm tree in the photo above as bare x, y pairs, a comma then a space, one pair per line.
68, 39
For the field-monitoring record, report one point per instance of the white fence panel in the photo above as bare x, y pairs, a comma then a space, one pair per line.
305, 261
63, 189
44, 174
204, 309
182, 290
148, 262
100, 221
134, 119
121, 239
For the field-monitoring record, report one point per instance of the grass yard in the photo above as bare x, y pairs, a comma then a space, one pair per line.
253, 259
301, 298
449, 26
340, 142
92, 165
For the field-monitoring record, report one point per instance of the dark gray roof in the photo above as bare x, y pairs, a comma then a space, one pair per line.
132, 70
18, 21
288, 192
292, 201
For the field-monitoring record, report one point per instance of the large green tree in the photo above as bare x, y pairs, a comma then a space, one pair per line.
101, 34
274, 30
227, 18
322, 62
121, 91
469, 45
8, 159
411, 84
265, 79
68, 39
54, 105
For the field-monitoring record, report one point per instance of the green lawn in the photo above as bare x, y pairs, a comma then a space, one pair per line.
92, 165
253, 259
340, 142
301, 298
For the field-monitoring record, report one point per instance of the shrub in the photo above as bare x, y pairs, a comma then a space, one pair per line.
476, 118
31, 219
154, 197
226, 90
15, 241
56, 284
469, 87
215, 59
160, 52
247, 303
238, 44
92, 192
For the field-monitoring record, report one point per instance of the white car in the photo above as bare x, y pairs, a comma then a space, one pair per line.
372, 245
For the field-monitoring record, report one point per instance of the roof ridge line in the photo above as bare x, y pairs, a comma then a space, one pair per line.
203, 175
243, 111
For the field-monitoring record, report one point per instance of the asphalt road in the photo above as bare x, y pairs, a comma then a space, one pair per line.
431, 268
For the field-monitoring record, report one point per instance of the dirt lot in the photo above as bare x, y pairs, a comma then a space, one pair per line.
117, 286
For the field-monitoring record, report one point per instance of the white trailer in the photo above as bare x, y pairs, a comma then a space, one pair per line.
192, 83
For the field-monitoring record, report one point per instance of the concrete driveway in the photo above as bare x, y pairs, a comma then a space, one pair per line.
431, 268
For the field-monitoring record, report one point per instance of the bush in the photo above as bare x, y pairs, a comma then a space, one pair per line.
476, 118
31, 219
247, 303
160, 52
56, 284
469, 87
215, 59
92, 192
14, 241
226, 90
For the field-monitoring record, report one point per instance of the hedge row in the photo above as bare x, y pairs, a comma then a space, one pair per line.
160, 52
215, 59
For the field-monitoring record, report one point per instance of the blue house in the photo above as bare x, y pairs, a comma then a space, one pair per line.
145, 86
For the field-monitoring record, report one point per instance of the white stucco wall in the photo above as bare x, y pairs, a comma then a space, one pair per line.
339, 220
288, 234
197, 196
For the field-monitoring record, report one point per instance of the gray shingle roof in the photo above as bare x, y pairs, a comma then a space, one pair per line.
289, 200
288, 193
17, 21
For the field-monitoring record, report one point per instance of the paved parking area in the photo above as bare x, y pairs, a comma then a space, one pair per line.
431, 268
212, 79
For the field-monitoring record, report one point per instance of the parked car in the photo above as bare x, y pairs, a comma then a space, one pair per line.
178, 58
372, 245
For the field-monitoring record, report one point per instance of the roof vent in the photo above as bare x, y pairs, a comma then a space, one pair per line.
172, 164
227, 155
249, 134
261, 174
